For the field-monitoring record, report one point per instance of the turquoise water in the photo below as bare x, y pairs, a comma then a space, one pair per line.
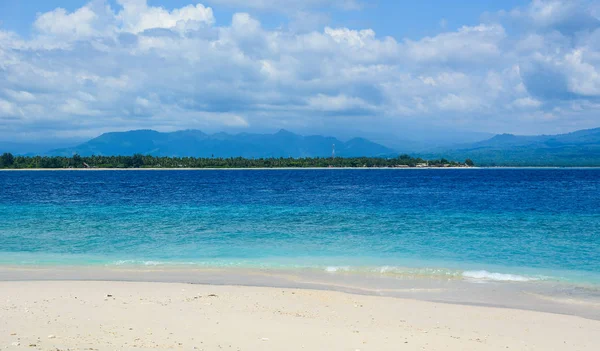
490, 224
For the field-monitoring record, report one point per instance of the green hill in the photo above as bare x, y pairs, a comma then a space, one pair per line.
194, 143
577, 149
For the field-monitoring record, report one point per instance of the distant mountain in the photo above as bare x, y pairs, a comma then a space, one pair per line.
414, 139
35, 147
580, 148
194, 143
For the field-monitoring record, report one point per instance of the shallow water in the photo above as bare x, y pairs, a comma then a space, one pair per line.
520, 225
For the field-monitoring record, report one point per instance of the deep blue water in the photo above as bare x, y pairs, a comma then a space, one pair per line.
537, 223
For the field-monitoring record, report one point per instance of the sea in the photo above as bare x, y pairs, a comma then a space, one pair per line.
506, 227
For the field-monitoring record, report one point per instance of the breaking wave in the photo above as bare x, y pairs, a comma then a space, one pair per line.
502, 277
439, 273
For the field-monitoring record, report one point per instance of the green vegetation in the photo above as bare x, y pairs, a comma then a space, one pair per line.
8, 161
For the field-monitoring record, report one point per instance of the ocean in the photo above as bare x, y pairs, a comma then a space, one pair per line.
478, 224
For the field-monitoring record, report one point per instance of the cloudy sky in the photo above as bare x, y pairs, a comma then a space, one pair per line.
76, 69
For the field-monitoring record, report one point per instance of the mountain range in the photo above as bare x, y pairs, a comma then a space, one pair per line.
194, 143
576, 149
580, 148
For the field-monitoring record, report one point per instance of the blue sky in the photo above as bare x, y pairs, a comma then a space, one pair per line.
75, 69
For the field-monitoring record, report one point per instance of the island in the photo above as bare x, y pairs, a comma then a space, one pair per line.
10, 161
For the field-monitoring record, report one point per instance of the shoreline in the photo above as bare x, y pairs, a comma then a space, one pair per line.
232, 169
124, 315
541, 296
295, 168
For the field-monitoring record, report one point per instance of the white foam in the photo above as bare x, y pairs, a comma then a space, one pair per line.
387, 269
147, 263
485, 275
123, 262
333, 269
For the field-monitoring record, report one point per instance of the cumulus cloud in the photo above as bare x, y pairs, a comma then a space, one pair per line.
476, 43
338, 103
461, 103
137, 16
8, 109
94, 19
561, 15
527, 102
290, 5
97, 19
583, 77
20, 96
134, 65
59, 22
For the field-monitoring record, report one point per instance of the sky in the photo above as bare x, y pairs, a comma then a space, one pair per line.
74, 69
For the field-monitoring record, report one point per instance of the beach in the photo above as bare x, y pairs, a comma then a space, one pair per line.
83, 315
297, 175
300, 260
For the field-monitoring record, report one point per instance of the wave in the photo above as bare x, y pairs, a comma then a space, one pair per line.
333, 269
440, 273
392, 271
502, 277
147, 263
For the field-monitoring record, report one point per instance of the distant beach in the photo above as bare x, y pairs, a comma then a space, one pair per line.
291, 168
235, 169
285, 168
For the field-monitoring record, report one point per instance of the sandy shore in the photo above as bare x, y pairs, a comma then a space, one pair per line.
82, 315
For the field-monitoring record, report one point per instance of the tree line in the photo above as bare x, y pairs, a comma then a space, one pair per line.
9, 161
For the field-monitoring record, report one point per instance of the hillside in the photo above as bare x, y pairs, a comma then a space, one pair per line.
194, 143
580, 148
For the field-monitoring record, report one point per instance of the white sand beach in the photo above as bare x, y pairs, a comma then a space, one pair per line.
80, 315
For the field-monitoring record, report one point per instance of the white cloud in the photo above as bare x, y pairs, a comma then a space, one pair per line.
549, 12
584, 78
95, 19
527, 102
340, 102
290, 5
20, 96
233, 120
468, 44
77, 107
142, 66
460, 103
142, 102
59, 22
137, 16
566, 15
8, 109
352, 38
